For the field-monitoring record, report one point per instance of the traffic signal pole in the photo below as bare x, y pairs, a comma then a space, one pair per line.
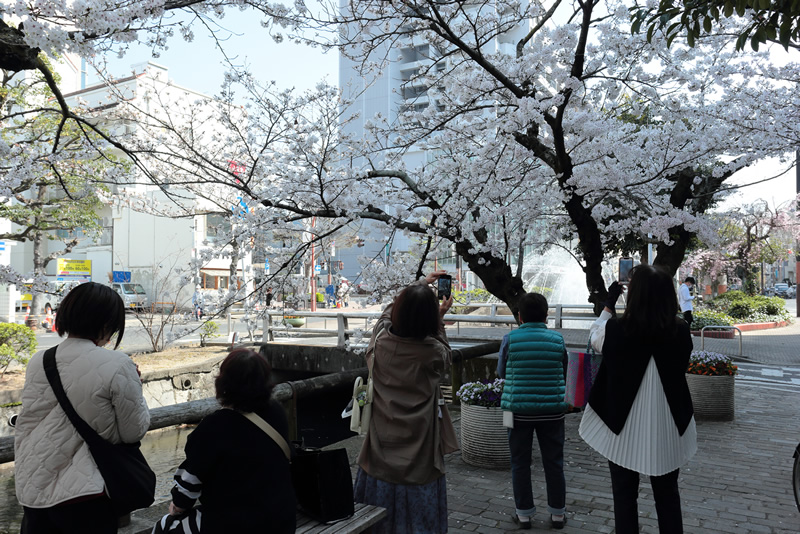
797, 244
313, 268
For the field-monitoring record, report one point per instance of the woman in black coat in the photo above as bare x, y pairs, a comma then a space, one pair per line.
239, 474
640, 414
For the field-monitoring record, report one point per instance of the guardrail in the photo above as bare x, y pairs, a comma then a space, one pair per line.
719, 327
343, 330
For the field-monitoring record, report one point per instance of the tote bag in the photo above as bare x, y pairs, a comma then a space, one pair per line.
582, 370
323, 483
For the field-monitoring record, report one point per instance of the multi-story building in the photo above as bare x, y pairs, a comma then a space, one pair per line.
402, 86
148, 234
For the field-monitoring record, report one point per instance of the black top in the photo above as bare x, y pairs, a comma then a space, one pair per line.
241, 474
625, 361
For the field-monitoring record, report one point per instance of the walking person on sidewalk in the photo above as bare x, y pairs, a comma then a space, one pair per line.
640, 413
685, 299
533, 363
401, 465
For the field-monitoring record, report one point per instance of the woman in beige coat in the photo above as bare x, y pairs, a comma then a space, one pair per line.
401, 465
57, 481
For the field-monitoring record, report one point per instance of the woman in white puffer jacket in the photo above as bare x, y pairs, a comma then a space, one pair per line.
57, 481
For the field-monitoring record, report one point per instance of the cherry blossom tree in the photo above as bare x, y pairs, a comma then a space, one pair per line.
747, 236
48, 171
536, 130
529, 134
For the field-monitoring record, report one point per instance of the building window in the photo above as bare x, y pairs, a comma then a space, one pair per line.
217, 226
209, 282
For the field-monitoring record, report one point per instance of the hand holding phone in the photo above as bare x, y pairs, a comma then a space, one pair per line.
625, 268
444, 286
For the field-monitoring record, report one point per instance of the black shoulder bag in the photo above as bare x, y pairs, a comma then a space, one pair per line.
130, 482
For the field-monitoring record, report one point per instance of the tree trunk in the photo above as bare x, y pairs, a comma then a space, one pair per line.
495, 274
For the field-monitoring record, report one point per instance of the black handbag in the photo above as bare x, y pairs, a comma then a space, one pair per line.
130, 482
323, 483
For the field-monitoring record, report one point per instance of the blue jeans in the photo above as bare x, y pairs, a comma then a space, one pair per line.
550, 435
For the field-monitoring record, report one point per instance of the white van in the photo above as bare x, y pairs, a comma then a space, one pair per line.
133, 295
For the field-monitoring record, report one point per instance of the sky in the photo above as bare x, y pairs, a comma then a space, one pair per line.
198, 65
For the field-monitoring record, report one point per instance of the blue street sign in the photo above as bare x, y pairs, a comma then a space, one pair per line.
121, 277
266, 264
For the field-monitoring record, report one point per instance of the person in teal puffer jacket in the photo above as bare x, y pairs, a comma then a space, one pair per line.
533, 362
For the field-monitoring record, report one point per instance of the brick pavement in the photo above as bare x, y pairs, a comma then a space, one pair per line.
738, 483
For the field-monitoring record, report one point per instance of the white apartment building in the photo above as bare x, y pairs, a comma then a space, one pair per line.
146, 237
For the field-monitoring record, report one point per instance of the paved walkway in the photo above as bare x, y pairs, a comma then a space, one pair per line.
739, 482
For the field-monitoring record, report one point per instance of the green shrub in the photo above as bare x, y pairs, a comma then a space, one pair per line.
741, 309
467, 297
17, 344
710, 318
209, 330
545, 291
749, 309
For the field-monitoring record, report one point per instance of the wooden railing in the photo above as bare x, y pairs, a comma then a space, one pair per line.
286, 393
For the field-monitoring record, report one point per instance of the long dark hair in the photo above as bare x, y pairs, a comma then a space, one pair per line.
652, 308
415, 313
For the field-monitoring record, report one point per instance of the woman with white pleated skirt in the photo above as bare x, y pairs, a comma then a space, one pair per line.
640, 414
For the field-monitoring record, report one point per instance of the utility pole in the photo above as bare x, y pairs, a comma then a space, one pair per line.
313, 303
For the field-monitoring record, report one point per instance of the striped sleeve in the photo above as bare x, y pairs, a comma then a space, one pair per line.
187, 489
202, 457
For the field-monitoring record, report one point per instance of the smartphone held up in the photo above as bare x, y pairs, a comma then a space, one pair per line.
444, 286
625, 268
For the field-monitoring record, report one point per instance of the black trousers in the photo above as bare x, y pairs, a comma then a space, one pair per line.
94, 516
625, 487
687, 316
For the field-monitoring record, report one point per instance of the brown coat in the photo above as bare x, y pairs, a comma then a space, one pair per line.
407, 439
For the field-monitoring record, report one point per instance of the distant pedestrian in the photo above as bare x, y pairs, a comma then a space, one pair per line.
343, 294
533, 362
640, 413
330, 293
198, 302
401, 465
685, 299
269, 296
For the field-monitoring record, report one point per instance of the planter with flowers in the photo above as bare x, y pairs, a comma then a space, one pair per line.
711, 377
484, 439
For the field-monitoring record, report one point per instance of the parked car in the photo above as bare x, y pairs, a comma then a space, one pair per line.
133, 295
782, 290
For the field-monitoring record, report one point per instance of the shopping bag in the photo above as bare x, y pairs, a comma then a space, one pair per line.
582, 370
323, 483
360, 407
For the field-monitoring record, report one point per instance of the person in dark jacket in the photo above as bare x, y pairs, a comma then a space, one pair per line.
239, 474
533, 361
640, 413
